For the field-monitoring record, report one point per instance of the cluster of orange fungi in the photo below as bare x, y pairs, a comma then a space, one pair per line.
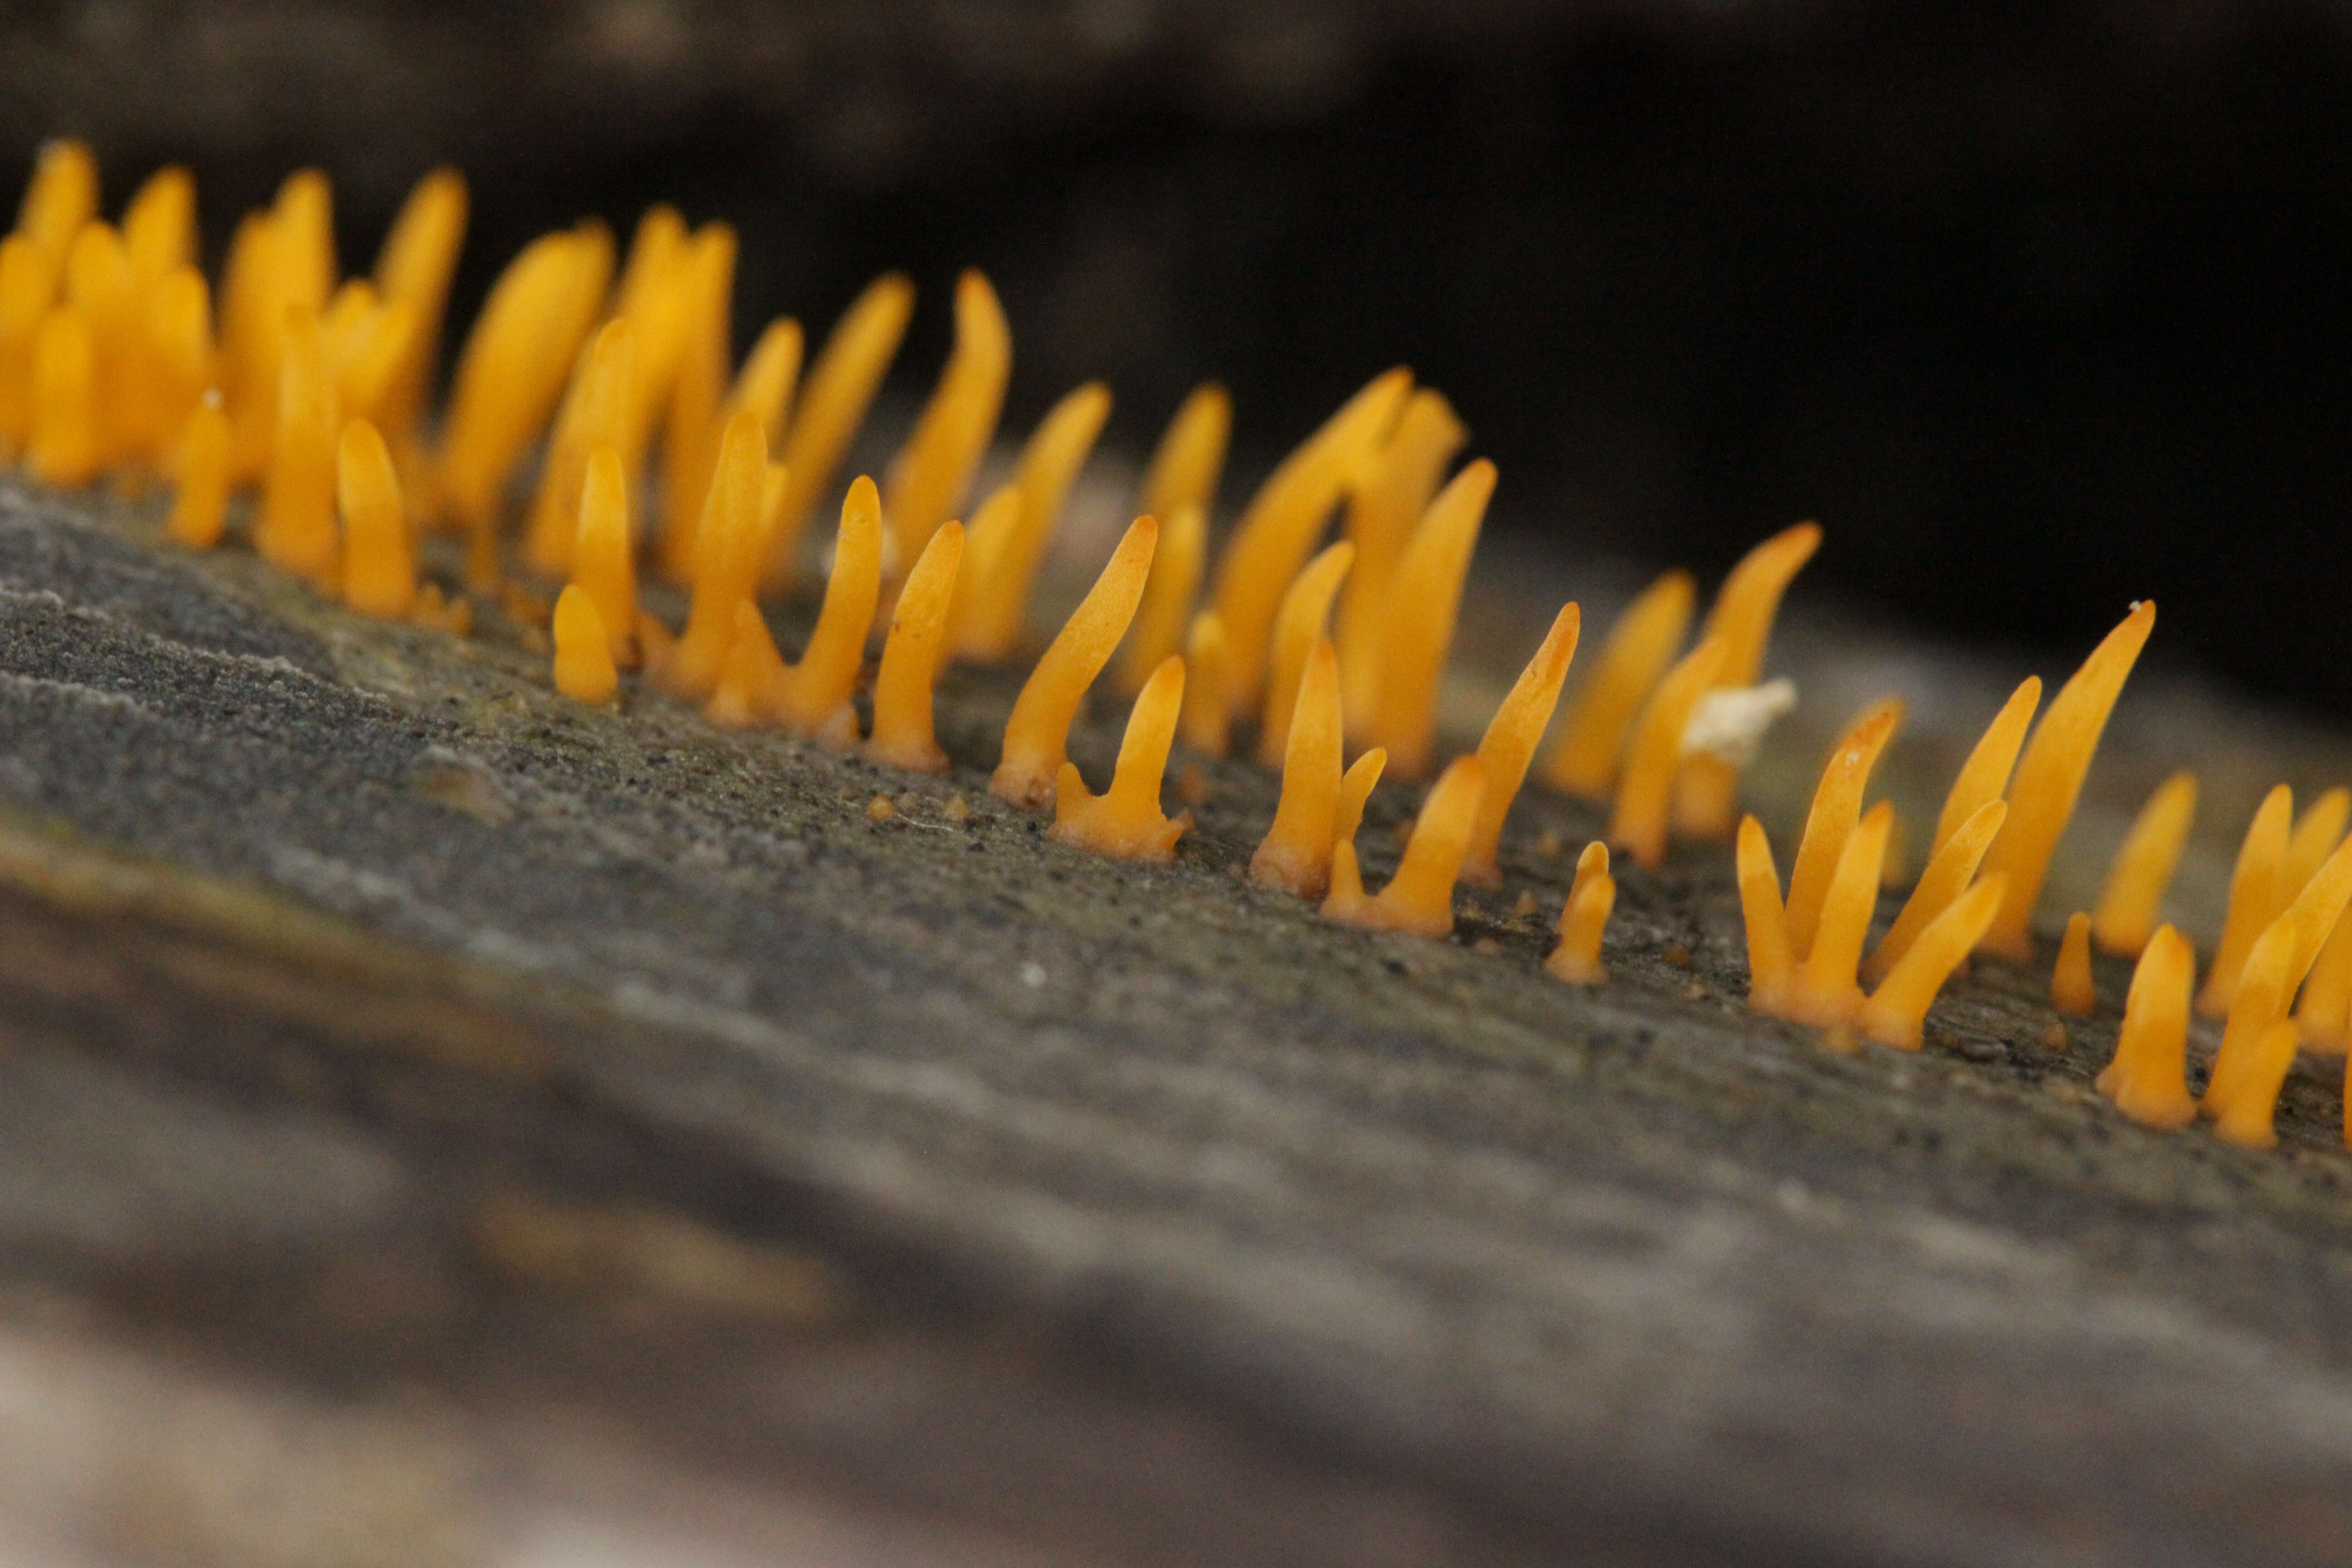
596, 396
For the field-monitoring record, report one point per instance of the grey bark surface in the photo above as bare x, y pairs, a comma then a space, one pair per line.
494, 1089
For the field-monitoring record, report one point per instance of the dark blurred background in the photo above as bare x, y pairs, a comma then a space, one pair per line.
2039, 307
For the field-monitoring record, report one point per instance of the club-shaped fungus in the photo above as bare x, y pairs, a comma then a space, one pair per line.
2126, 912
1420, 897
928, 479
1582, 919
1384, 502
1038, 731
1947, 876
200, 495
992, 618
838, 390
2280, 958
379, 564
1640, 647
1419, 608
903, 735
2071, 989
2049, 776
1279, 529
1208, 721
1303, 621
1645, 785
1296, 853
1162, 618
1895, 1013
2256, 895
1510, 741
1833, 817
1125, 821
1706, 796
584, 649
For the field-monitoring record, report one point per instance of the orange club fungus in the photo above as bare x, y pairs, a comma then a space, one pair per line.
2049, 776
1296, 853
1707, 795
311, 392
1583, 918
1419, 899
2126, 917
2072, 989
903, 736
1510, 741
1038, 731
1125, 821
1640, 647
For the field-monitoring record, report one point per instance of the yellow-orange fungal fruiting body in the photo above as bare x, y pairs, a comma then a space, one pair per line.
61, 197
1706, 796
200, 498
1947, 876
1835, 811
66, 447
23, 301
412, 269
2049, 776
1190, 456
158, 224
2317, 831
1420, 897
1384, 502
1653, 756
1208, 720
1168, 594
2246, 1118
1510, 741
604, 559
1582, 919
770, 371
179, 369
933, 470
1303, 621
1036, 733
1296, 853
2322, 1012
2281, 957
1824, 991
1772, 962
751, 676
1278, 530
839, 389
584, 649
694, 425
991, 620
1418, 612
814, 697
1985, 774
1640, 647
511, 372
101, 288
379, 564
2149, 1077
1895, 1014
2071, 989
594, 415
1355, 789
2257, 893
903, 735
1125, 821
2125, 916
729, 532
294, 527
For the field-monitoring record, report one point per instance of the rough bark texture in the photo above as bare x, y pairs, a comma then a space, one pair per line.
440, 1119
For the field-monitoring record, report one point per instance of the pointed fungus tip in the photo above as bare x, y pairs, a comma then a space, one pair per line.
2071, 989
2148, 1076
1510, 741
1583, 919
